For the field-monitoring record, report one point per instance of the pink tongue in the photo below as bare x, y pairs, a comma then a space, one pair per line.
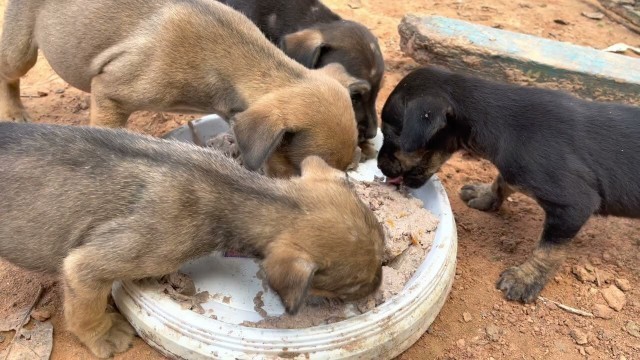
395, 181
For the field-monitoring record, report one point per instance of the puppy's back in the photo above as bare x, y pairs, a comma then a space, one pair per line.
59, 183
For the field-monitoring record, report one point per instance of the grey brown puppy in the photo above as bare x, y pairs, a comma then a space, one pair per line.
98, 205
184, 56
315, 36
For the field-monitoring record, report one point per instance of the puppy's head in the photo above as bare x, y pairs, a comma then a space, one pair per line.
311, 117
333, 250
420, 133
355, 48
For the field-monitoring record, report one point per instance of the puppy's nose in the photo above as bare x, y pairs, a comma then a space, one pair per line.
372, 130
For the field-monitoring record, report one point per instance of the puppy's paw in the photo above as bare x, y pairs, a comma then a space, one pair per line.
480, 197
368, 151
520, 283
14, 114
116, 340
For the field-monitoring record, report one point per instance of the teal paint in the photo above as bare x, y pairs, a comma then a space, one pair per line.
491, 52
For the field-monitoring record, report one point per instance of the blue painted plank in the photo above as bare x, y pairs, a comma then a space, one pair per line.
519, 57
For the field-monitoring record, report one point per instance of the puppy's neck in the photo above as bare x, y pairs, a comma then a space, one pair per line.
246, 213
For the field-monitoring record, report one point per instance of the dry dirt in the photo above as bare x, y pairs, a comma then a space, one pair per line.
475, 323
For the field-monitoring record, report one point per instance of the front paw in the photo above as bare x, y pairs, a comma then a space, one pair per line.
368, 150
521, 283
480, 197
116, 340
13, 114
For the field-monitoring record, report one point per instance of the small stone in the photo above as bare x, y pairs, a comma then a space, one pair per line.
605, 276
614, 297
466, 317
355, 4
461, 343
582, 351
493, 332
602, 311
622, 357
2, 338
59, 91
593, 15
41, 315
42, 93
578, 336
623, 284
583, 274
84, 105
589, 267
633, 329
590, 350
558, 278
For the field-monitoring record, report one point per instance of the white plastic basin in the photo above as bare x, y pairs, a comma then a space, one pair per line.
382, 333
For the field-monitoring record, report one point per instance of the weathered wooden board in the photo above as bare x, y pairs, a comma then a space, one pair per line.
520, 58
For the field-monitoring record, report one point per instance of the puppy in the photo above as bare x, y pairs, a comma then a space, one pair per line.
576, 158
98, 205
315, 36
183, 56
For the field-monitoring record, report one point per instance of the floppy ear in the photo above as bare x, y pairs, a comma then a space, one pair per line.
257, 136
316, 168
289, 272
422, 119
338, 72
305, 46
359, 87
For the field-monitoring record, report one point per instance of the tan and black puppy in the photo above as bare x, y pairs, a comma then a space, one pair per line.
575, 158
98, 205
184, 56
315, 36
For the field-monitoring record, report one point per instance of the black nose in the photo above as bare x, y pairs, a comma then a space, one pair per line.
372, 131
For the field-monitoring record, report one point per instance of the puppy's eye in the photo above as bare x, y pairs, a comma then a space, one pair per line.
356, 98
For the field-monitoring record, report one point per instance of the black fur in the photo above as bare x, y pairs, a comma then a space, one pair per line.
344, 42
574, 157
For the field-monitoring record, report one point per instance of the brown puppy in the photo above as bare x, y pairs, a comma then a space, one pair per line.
315, 36
187, 56
117, 205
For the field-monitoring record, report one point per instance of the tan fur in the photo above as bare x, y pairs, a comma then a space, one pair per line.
528, 279
486, 197
116, 205
199, 56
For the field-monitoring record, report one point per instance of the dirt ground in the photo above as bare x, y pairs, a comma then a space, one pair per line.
475, 323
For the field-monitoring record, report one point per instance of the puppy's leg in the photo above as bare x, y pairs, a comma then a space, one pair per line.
105, 111
486, 197
85, 302
18, 54
562, 223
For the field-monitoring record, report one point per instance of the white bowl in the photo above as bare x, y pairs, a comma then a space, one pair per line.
381, 333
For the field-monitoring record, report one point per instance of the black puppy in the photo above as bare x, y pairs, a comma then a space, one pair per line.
312, 34
574, 157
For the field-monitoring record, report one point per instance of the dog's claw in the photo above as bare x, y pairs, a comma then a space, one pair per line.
519, 285
479, 196
118, 339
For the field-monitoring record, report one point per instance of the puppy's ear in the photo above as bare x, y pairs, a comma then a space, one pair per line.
338, 72
305, 46
359, 87
289, 272
422, 119
257, 136
313, 167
